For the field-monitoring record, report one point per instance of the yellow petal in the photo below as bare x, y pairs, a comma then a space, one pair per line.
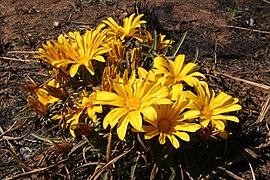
114, 115
162, 138
191, 114
174, 141
182, 135
234, 107
226, 117
135, 119
191, 81
220, 125
109, 98
151, 134
122, 127
120, 90
205, 122
188, 68
90, 68
72, 132
161, 64
99, 58
198, 74
219, 100
189, 127
149, 113
179, 61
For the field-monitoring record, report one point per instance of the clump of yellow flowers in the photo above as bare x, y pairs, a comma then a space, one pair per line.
118, 76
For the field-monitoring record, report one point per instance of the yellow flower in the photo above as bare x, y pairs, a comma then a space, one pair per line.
212, 108
91, 108
175, 72
77, 50
48, 52
171, 122
161, 42
110, 72
44, 96
73, 121
135, 58
131, 98
69, 118
129, 28
117, 53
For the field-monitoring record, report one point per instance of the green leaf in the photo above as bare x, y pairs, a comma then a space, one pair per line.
134, 166
180, 44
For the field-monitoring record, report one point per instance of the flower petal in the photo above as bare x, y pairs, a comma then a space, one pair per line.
113, 116
73, 69
182, 135
174, 141
162, 138
226, 117
204, 122
136, 119
122, 127
234, 107
179, 61
151, 134
189, 127
149, 113
109, 98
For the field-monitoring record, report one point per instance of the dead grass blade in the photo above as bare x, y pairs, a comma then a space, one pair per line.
22, 52
268, 2
13, 153
246, 81
20, 60
264, 110
248, 29
98, 172
35, 170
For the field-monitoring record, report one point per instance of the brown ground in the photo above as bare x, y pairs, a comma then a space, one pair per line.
212, 28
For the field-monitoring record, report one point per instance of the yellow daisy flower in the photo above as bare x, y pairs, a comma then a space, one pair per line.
69, 118
131, 98
175, 72
129, 28
73, 121
77, 50
91, 108
117, 53
44, 96
212, 108
170, 122
48, 52
161, 43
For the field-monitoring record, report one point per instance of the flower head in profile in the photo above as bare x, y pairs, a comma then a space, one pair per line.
76, 50
132, 97
171, 122
212, 108
70, 118
117, 53
176, 72
130, 27
160, 44
91, 108
50, 93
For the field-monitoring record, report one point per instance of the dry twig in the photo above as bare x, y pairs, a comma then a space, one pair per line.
248, 29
